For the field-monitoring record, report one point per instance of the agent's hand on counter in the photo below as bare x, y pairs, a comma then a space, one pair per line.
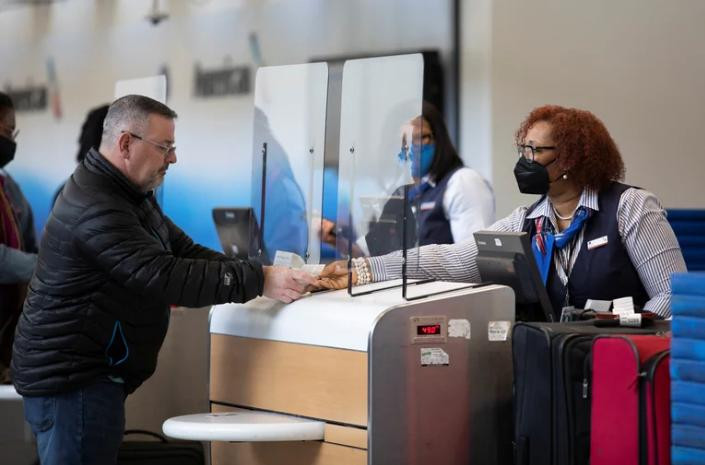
335, 276
284, 284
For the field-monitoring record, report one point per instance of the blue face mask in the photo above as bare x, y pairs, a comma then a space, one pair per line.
421, 158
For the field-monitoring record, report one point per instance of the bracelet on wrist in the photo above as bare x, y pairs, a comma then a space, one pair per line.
362, 270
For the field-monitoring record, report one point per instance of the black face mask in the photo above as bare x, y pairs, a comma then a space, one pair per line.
532, 177
7, 151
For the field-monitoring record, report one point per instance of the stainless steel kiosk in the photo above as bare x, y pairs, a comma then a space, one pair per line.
384, 380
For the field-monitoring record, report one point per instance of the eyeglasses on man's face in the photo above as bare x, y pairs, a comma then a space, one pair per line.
530, 151
9, 132
165, 150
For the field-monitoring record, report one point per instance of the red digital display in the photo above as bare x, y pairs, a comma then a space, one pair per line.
428, 330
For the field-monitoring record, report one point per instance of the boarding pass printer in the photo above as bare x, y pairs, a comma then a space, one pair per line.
333, 379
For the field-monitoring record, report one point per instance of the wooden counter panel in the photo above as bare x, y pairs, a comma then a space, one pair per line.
289, 453
311, 381
346, 436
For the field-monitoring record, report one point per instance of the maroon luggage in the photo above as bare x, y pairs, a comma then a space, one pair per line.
630, 414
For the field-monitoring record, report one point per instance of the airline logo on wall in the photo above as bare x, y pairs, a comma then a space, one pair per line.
28, 98
220, 82
38, 97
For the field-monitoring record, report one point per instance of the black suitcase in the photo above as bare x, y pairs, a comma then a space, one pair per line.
552, 389
160, 452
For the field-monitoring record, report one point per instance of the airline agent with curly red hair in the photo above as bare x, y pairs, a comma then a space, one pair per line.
592, 236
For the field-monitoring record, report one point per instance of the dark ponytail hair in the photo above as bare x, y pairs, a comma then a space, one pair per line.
446, 158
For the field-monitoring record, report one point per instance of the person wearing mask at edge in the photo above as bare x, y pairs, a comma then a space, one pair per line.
453, 201
110, 265
90, 137
17, 243
567, 156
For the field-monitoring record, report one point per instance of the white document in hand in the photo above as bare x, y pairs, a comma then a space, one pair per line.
294, 261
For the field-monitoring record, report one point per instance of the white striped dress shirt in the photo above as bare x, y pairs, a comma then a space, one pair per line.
646, 235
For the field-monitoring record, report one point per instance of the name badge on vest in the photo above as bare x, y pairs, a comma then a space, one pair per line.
427, 206
595, 243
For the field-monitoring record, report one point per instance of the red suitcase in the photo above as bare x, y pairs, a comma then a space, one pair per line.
630, 415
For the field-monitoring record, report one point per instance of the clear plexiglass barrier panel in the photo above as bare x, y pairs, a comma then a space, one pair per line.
380, 99
287, 168
427, 221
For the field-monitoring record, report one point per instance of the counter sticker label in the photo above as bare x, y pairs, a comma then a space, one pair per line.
433, 356
459, 328
498, 330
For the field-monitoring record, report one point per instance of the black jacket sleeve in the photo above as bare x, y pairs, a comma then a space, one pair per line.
118, 244
183, 246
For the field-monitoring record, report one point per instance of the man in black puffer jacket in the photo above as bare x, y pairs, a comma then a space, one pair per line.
110, 264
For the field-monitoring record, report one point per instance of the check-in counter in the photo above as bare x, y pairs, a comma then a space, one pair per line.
366, 379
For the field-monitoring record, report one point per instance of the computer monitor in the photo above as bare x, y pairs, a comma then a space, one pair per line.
235, 228
384, 234
506, 258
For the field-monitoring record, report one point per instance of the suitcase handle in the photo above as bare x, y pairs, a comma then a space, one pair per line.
146, 433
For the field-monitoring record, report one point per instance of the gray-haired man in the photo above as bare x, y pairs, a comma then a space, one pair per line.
110, 263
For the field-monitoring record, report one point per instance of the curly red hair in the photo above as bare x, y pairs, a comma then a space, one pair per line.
584, 147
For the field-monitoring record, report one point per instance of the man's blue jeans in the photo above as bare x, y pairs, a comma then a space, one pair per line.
84, 426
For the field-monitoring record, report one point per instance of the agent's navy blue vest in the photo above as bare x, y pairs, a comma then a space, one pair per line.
604, 273
434, 227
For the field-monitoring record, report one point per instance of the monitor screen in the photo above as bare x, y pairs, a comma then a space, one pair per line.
385, 233
235, 227
506, 258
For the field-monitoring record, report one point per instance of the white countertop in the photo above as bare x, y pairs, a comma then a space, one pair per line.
243, 425
329, 319
7, 392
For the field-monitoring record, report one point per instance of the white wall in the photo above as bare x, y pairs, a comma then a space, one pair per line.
476, 85
96, 42
639, 65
